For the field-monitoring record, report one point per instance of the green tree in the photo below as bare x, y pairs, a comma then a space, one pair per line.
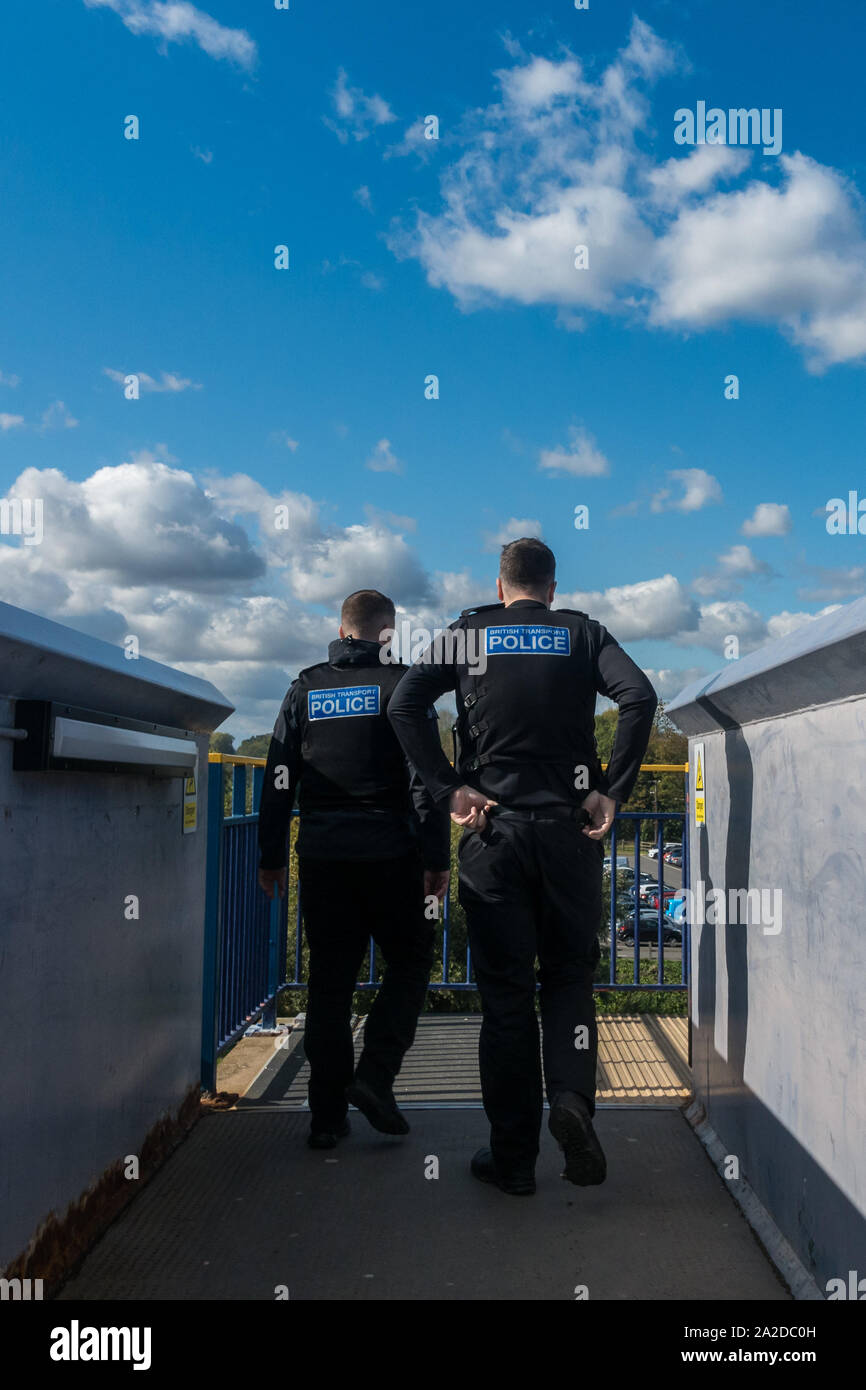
255, 747
222, 743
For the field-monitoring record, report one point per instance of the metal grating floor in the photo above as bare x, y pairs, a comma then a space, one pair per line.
243, 1207
642, 1061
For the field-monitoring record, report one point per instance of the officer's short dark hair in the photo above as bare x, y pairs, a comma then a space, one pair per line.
527, 564
366, 614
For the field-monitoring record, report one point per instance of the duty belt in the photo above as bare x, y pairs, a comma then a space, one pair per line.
553, 812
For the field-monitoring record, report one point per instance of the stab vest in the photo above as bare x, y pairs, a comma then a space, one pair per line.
527, 721
350, 754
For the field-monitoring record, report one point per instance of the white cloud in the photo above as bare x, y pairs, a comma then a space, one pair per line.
10, 422
383, 459
206, 156
176, 20
651, 608
415, 141
699, 489
357, 115
199, 573
839, 583
731, 618
563, 160
668, 682
361, 555
283, 437
768, 519
371, 281
169, 381
783, 623
139, 523
677, 178
539, 82
736, 564
9, 379
158, 454
57, 417
582, 458
394, 521
363, 196
512, 530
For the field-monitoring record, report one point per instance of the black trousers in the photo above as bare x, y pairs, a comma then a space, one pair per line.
344, 903
532, 888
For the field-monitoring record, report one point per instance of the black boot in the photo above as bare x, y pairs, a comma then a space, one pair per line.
327, 1138
570, 1124
380, 1107
519, 1183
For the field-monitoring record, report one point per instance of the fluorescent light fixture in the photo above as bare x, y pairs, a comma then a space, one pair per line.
65, 738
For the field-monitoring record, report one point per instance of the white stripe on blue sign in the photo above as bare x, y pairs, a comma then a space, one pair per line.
536, 640
344, 702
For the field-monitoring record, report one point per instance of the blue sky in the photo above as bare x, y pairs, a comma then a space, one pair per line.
305, 387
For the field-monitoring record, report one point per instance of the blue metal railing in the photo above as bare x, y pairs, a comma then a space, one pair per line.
243, 929
252, 953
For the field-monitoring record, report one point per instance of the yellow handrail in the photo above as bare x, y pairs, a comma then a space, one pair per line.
236, 758
261, 762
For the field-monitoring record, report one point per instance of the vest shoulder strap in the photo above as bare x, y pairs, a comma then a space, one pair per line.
480, 608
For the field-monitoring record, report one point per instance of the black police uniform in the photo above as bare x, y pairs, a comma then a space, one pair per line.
368, 828
531, 881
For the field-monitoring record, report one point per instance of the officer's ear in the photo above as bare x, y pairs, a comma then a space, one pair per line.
342, 633
499, 591
551, 591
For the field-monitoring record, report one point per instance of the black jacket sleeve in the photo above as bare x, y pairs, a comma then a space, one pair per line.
409, 713
283, 767
432, 820
621, 680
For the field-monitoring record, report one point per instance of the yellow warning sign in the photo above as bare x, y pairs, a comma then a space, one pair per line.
190, 805
700, 795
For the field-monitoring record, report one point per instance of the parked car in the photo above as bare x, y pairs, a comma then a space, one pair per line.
652, 898
668, 845
675, 859
676, 911
621, 863
648, 930
648, 885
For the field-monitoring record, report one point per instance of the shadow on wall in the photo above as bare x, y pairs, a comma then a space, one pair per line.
822, 1225
738, 849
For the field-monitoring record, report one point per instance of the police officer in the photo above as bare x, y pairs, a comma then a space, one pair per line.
531, 794
371, 844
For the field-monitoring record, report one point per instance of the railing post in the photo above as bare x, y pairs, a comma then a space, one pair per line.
212, 926
687, 926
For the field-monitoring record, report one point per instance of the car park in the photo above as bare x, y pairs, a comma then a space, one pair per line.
648, 930
621, 863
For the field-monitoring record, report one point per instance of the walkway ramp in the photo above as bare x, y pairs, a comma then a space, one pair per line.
244, 1207
641, 1060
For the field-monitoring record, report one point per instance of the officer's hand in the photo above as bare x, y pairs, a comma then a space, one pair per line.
468, 807
269, 879
436, 882
602, 810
